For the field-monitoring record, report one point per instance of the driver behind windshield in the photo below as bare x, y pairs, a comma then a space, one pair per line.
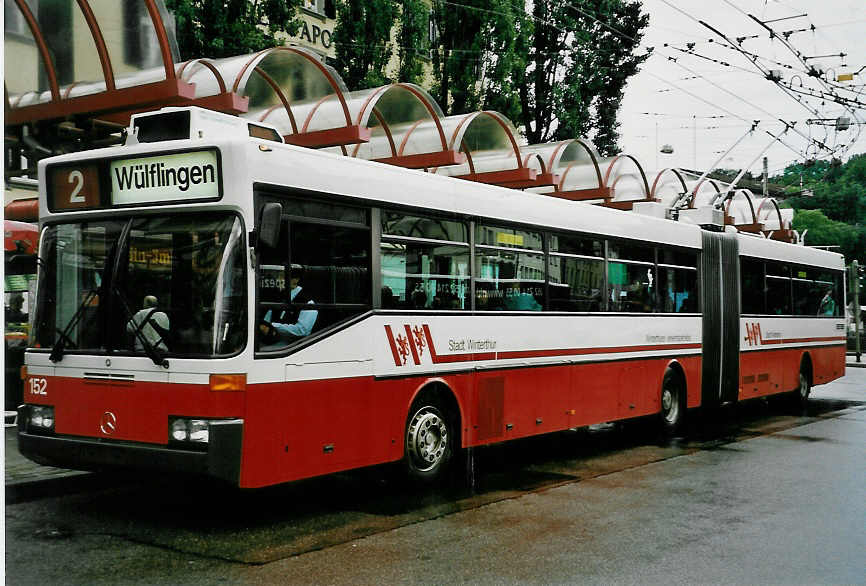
151, 323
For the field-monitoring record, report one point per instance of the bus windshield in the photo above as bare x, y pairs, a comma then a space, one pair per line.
156, 286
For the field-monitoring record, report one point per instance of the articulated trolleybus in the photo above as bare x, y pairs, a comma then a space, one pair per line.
211, 300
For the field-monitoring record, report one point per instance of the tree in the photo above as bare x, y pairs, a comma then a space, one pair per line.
362, 39
823, 231
581, 56
614, 62
457, 55
836, 212
412, 42
840, 192
224, 28
507, 30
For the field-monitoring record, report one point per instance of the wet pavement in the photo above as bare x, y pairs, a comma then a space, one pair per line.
24, 476
769, 495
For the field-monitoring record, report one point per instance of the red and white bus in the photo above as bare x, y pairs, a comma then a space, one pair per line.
214, 301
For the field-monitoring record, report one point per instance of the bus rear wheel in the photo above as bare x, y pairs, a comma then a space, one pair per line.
801, 395
672, 402
429, 442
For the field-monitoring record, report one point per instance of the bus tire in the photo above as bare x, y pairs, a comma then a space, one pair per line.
673, 402
429, 441
804, 388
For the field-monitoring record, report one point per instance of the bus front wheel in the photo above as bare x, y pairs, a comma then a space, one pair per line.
429, 441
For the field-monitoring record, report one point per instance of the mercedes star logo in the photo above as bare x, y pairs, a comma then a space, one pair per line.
108, 423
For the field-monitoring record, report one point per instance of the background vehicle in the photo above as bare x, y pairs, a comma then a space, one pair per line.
19, 287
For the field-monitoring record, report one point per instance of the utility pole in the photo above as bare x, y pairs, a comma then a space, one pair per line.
657, 145
855, 295
764, 186
694, 143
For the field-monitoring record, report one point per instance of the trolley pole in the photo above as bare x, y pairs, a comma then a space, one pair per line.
855, 294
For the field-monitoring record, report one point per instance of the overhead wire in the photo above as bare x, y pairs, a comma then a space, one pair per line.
753, 58
787, 126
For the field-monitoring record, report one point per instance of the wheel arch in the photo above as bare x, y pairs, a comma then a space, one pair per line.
439, 388
680, 372
807, 366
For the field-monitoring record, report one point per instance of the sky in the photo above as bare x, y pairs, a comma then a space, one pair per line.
707, 100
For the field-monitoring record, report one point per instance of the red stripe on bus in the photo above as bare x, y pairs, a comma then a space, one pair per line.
394, 351
581, 351
801, 340
468, 357
412, 345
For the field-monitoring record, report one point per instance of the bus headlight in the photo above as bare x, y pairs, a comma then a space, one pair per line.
189, 430
41, 418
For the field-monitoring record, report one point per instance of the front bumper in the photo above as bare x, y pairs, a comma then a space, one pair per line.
221, 460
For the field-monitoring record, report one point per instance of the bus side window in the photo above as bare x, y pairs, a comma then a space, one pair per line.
425, 263
778, 289
678, 281
752, 286
575, 268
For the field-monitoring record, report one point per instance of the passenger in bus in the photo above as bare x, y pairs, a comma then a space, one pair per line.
13, 312
638, 298
828, 304
389, 301
151, 323
281, 328
517, 299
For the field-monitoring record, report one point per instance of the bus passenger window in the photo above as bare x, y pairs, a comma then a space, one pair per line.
576, 284
807, 294
679, 289
752, 286
632, 287
575, 273
678, 281
816, 292
425, 263
778, 289
510, 271
830, 286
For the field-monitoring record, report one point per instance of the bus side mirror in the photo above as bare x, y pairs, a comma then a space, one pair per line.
269, 225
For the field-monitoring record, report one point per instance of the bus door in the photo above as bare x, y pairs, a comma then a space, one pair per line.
720, 303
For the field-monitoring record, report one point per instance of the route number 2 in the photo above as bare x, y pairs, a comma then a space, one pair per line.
77, 178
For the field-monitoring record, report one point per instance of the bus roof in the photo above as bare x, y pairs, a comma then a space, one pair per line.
315, 171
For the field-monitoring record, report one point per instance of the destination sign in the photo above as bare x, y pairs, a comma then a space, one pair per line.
175, 177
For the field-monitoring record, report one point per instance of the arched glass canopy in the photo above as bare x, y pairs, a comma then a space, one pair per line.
667, 187
489, 142
69, 58
626, 179
776, 222
740, 211
573, 168
393, 113
703, 192
292, 89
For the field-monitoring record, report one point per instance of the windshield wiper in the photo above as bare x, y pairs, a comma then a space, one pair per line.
57, 352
